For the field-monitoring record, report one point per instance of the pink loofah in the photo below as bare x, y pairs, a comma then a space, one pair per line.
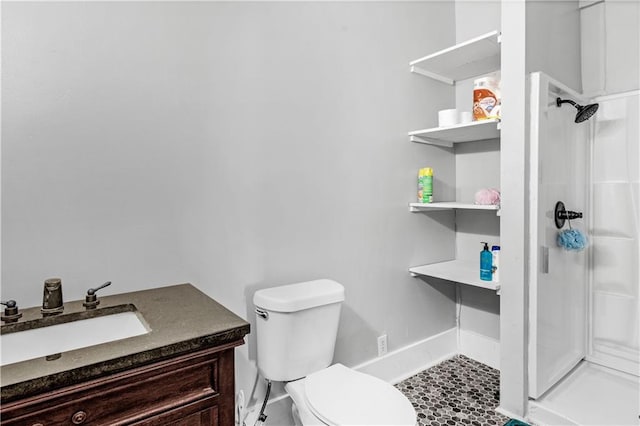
488, 196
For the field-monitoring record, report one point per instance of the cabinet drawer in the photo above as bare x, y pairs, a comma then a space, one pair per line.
124, 398
190, 415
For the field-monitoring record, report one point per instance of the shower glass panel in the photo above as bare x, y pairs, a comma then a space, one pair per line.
557, 277
614, 223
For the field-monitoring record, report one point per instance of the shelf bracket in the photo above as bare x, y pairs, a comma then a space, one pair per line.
431, 141
429, 74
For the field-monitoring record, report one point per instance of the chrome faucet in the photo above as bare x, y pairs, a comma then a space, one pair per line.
52, 297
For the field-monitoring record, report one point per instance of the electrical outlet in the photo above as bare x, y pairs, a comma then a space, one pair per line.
382, 345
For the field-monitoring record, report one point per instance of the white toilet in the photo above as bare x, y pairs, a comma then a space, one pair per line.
297, 326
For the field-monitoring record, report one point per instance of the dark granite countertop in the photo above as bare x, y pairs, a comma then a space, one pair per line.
181, 318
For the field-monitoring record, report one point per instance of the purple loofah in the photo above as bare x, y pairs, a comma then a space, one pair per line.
572, 239
488, 196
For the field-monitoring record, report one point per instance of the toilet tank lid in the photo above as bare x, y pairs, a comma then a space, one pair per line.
296, 297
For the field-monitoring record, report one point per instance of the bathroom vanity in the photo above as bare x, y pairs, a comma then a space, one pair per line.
180, 372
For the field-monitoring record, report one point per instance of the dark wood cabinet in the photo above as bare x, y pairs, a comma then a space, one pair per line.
187, 390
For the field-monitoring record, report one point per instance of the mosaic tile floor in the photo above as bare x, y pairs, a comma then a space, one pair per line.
458, 391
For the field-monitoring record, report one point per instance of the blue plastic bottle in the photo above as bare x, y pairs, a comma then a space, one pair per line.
486, 263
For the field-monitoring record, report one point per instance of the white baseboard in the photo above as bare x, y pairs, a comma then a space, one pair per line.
509, 414
481, 348
541, 416
405, 362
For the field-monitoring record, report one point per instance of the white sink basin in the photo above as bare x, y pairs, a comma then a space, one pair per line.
54, 339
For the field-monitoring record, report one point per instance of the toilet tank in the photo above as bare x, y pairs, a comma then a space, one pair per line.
297, 326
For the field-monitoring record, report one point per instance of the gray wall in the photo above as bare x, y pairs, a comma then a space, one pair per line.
233, 145
553, 40
610, 41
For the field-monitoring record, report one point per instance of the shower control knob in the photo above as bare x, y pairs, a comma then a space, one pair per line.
569, 215
561, 215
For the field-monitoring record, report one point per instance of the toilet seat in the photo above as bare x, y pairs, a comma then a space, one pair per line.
339, 395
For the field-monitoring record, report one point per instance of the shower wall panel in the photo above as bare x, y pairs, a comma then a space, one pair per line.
614, 276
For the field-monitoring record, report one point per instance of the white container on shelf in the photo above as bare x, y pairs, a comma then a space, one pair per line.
448, 117
466, 117
495, 251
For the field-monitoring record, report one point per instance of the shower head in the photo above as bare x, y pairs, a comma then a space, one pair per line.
584, 112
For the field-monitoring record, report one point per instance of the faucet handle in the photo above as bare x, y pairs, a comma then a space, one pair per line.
91, 300
11, 311
92, 291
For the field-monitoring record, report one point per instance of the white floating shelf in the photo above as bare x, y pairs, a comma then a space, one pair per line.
465, 132
460, 271
448, 205
480, 55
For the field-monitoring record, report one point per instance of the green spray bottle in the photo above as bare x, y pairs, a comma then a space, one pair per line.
427, 185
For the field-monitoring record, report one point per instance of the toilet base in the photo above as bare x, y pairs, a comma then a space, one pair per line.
311, 421
301, 417
295, 415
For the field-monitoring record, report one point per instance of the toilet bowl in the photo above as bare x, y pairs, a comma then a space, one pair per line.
338, 395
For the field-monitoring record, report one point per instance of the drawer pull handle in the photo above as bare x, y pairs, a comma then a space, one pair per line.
79, 418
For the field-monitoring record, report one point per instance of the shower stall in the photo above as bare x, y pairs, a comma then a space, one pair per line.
583, 304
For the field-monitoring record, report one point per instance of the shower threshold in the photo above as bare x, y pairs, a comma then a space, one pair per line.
589, 395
